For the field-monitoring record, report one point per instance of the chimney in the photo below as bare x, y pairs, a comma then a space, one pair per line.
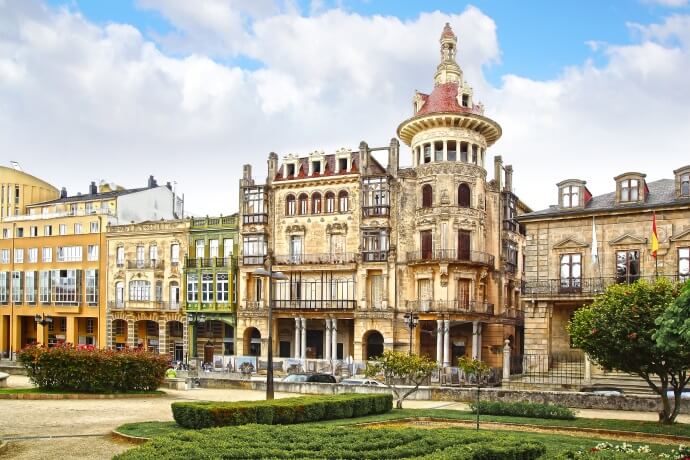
168, 185
509, 178
363, 158
152, 182
63, 192
498, 167
246, 176
93, 189
394, 157
272, 167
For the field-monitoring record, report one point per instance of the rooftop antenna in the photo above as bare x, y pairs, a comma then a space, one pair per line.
15, 165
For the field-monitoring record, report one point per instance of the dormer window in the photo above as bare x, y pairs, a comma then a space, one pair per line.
342, 165
290, 170
685, 185
465, 100
629, 190
682, 182
573, 193
570, 196
316, 167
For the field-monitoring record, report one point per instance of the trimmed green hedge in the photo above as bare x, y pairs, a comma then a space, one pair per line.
287, 411
524, 409
341, 442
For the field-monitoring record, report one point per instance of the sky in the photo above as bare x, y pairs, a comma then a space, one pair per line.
190, 91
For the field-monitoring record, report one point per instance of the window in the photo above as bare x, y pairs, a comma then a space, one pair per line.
175, 253
90, 325
685, 185
65, 286
228, 247
684, 263
427, 196
222, 287
464, 196
77, 229
153, 253
627, 266
63, 229
207, 287
258, 289
343, 204
375, 244
92, 253
73, 209
302, 207
92, 286
17, 287
69, 254
342, 164
33, 255
5, 233
629, 190
316, 167
33, 231
475, 151
290, 205
200, 249
5, 256
30, 287
44, 286
510, 252
19, 232
295, 249
47, 254
452, 147
254, 249
464, 147
427, 153
571, 272
213, 248
93, 227
18, 256
316, 203
376, 290
139, 290
159, 291
375, 196
192, 287
290, 170
330, 202
438, 151
140, 255
570, 196
426, 244
48, 230
120, 256
3, 288
254, 205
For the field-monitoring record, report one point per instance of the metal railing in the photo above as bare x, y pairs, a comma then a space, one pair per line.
450, 306
372, 211
374, 256
297, 259
451, 255
259, 218
558, 369
143, 305
253, 260
583, 286
208, 262
156, 264
312, 304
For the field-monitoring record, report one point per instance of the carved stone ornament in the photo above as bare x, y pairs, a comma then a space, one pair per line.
336, 228
295, 229
445, 200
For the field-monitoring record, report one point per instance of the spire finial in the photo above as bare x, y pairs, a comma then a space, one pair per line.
448, 70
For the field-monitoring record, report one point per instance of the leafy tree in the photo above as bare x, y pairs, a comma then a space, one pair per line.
400, 369
618, 332
477, 369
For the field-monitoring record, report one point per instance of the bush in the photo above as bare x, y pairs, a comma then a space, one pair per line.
279, 412
524, 409
342, 442
90, 370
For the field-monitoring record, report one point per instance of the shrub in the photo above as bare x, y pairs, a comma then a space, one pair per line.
90, 370
342, 442
523, 409
279, 412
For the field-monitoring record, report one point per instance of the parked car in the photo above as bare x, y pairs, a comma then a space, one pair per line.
604, 391
370, 382
684, 395
310, 378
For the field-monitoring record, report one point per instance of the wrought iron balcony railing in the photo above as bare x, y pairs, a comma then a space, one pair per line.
141, 264
376, 211
259, 218
302, 259
583, 286
208, 262
374, 256
450, 306
143, 305
311, 304
452, 256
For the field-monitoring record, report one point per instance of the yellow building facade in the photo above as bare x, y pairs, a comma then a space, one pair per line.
19, 189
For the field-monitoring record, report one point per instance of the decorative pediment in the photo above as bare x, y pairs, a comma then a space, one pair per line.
336, 228
119, 275
292, 229
682, 236
626, 239
570, 242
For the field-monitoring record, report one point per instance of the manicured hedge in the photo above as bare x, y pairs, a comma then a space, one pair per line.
90, 370
280, 411
341, 442
524, 409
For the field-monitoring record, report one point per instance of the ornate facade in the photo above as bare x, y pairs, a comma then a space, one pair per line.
362, 245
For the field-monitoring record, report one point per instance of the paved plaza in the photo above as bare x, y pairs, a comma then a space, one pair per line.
71, 429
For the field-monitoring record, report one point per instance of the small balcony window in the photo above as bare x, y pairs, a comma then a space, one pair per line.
570, 196
629, 190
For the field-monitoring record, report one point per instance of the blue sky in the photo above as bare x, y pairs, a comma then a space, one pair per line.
538, 38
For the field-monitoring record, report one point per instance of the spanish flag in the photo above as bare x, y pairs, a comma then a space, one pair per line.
655, 238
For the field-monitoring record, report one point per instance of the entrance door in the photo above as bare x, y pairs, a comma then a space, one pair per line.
463, 245
208, 352
426, 244
179, 352
314, 344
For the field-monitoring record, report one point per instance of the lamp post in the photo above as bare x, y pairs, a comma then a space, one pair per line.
43, 320
196, 319
411, 321
271, 275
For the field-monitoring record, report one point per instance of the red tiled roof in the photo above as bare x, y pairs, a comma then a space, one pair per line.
442, 99
330, 168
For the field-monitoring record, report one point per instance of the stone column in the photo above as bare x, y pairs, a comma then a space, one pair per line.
446, 343
506, 360
588, 369
303, 347
439, 342
162, 338
298, 334
40, 333
445, 150
71, 330
334, 338
327, 348
475, 340
131, 333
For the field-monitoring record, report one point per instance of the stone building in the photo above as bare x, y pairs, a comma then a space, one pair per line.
363, 244
561, 272
145, 286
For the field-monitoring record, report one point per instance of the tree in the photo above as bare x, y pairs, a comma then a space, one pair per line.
400, 369
475, 368
618, 332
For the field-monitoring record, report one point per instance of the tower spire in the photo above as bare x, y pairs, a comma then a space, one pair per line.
448, 70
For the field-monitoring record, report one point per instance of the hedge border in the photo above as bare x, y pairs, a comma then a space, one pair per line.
523, 409
207, 414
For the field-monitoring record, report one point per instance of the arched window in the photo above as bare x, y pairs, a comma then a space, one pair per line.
316, 203
302, 205
139, 290
330, 202
290, 208
343, 201
427, 196
464, 196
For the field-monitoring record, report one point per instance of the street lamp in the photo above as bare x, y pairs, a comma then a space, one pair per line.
271, 275
196, 319
411, 321
42, 320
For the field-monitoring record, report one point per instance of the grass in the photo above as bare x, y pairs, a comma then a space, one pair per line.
62, 392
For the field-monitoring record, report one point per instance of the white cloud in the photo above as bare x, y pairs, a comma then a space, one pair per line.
81, 102
667, 3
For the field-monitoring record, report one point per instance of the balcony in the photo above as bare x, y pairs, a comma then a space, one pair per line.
584, 287
143, 305
215, 222
145, 264
450, 306
260, 218
308, 259
313, 304
376, 211
211, 262
451, 256
374, 256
